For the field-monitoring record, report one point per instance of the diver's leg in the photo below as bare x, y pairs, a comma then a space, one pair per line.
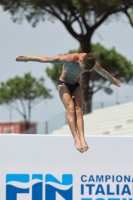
71, 115
77, 97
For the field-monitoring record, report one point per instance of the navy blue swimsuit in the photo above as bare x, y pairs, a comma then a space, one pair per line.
70, 87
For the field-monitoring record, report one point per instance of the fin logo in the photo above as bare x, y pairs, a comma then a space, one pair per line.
54, 187
19, 184
32, 186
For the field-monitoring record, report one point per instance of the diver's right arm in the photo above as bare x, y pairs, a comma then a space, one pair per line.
44, 59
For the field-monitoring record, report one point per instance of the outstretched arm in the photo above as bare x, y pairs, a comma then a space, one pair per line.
55, 59
105, 74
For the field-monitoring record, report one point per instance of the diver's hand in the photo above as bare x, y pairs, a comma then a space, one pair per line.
23, 58
115, 82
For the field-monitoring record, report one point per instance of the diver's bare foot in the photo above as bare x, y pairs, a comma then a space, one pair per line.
84, 144
79, 146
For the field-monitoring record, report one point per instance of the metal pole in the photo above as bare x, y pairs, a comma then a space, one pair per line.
10, 120
102, 104
46, 127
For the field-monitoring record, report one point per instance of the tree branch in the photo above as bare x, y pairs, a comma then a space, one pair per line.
110, 13
70, 29
100, 87
100, 21
80, 24
29, 111
52, 12
16, 108
129, 17
36, 102
66, 23
76, 18
23, 106
85, 24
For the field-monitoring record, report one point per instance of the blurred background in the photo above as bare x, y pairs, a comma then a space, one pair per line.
49, 38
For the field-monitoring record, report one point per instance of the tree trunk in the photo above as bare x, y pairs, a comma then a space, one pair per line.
27, 120
85, 79
27, 124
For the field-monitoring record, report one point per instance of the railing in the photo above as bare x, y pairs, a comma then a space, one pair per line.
52, 124
60, 120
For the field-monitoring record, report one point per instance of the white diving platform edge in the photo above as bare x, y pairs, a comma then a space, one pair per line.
48, 167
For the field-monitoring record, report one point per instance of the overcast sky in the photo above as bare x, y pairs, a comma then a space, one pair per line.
52, 39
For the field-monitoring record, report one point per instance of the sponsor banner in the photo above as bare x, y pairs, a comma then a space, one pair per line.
66, 182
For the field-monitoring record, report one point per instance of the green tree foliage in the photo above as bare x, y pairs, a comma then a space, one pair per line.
26, 92
116, 64
87, 14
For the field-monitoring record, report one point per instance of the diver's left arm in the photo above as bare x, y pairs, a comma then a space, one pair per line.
107, 75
